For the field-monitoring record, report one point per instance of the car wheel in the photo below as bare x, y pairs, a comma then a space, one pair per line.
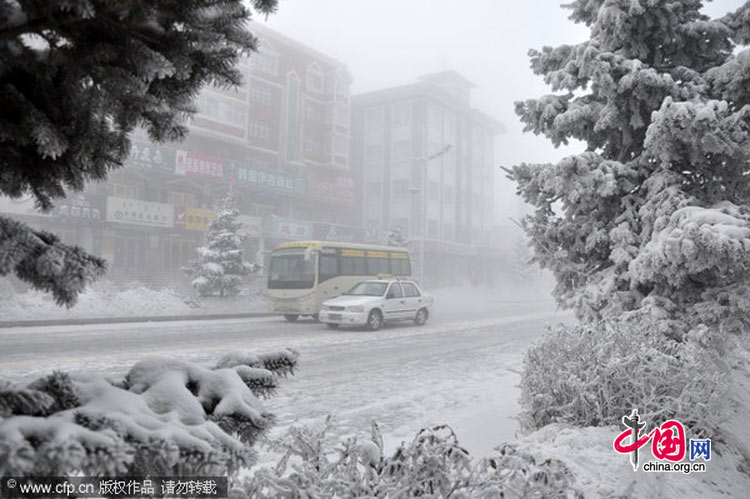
332, 326
374, 320
421, 317
291, 317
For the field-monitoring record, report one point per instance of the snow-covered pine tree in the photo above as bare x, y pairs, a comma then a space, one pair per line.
220, 266
76, 77
655, 212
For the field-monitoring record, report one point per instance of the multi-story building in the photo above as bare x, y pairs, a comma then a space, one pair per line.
280, 142
423, 162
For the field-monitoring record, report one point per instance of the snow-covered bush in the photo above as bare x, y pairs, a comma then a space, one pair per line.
432, 465
167, 417
594, 374
220, 267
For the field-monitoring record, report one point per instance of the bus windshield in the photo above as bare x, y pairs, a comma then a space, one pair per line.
291, 268
368, 289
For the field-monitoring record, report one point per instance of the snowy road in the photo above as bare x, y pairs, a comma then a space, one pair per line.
462, 368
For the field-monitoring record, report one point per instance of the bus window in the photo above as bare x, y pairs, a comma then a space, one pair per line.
377, 263
291, 268
353, 262
328, 266
400, 264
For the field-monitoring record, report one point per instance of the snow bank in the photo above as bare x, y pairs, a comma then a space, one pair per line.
105, 299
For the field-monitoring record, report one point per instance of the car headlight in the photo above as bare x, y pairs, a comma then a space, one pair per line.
355, 308
324, 307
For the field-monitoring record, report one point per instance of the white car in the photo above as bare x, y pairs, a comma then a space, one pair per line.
371, 303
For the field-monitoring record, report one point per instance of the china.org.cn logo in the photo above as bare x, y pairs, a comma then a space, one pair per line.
668, 445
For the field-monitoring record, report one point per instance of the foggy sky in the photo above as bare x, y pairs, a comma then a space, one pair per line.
391, 42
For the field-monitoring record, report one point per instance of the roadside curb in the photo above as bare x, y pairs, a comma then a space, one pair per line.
125, 320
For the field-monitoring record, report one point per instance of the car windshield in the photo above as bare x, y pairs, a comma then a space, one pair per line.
368, 289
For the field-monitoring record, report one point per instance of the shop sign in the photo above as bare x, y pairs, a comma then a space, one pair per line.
251, 226
198, 218
150, 156
81, 207
198, 165
341, 233
265, 179
137, 212
341, 190
291, 229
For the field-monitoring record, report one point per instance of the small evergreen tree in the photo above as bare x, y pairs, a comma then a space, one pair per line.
220, 266
395, 237
76, 78
656, 211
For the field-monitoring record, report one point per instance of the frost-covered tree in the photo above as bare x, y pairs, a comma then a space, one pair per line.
655, 213
220, 266
76, 77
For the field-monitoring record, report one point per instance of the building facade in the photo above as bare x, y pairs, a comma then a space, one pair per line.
424, 163
280, 142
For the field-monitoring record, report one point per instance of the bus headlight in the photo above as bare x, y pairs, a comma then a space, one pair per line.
355, 308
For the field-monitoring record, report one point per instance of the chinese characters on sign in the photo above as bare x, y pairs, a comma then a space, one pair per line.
136, 212
198, 165
290, 229
264, 179
668, 442
151, 156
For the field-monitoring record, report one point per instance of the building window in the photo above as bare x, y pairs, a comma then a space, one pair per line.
448, 194
312, 113
314, 79
341, 117
127, 191
340, 145
181, 198
292, 116
260, 96
265, 60
259, 130
400, 189
222, 111
374, 118
401, 114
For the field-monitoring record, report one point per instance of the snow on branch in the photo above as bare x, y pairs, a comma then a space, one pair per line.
168, 417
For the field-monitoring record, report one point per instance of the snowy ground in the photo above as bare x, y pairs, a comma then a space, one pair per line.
462, 368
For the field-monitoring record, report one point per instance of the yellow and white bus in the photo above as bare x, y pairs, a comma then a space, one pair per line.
304, 274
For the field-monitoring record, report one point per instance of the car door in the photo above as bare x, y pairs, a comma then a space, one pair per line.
412, 300
393, 304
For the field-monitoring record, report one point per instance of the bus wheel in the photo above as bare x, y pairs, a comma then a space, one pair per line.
291, 317
374, 320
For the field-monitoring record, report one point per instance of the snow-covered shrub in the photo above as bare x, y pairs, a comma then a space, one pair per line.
594, 374
433, 465
167, 417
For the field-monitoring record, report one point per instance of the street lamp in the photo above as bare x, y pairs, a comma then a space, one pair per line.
414, 190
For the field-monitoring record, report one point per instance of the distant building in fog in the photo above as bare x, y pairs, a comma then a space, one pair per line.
281, 141
395, 133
